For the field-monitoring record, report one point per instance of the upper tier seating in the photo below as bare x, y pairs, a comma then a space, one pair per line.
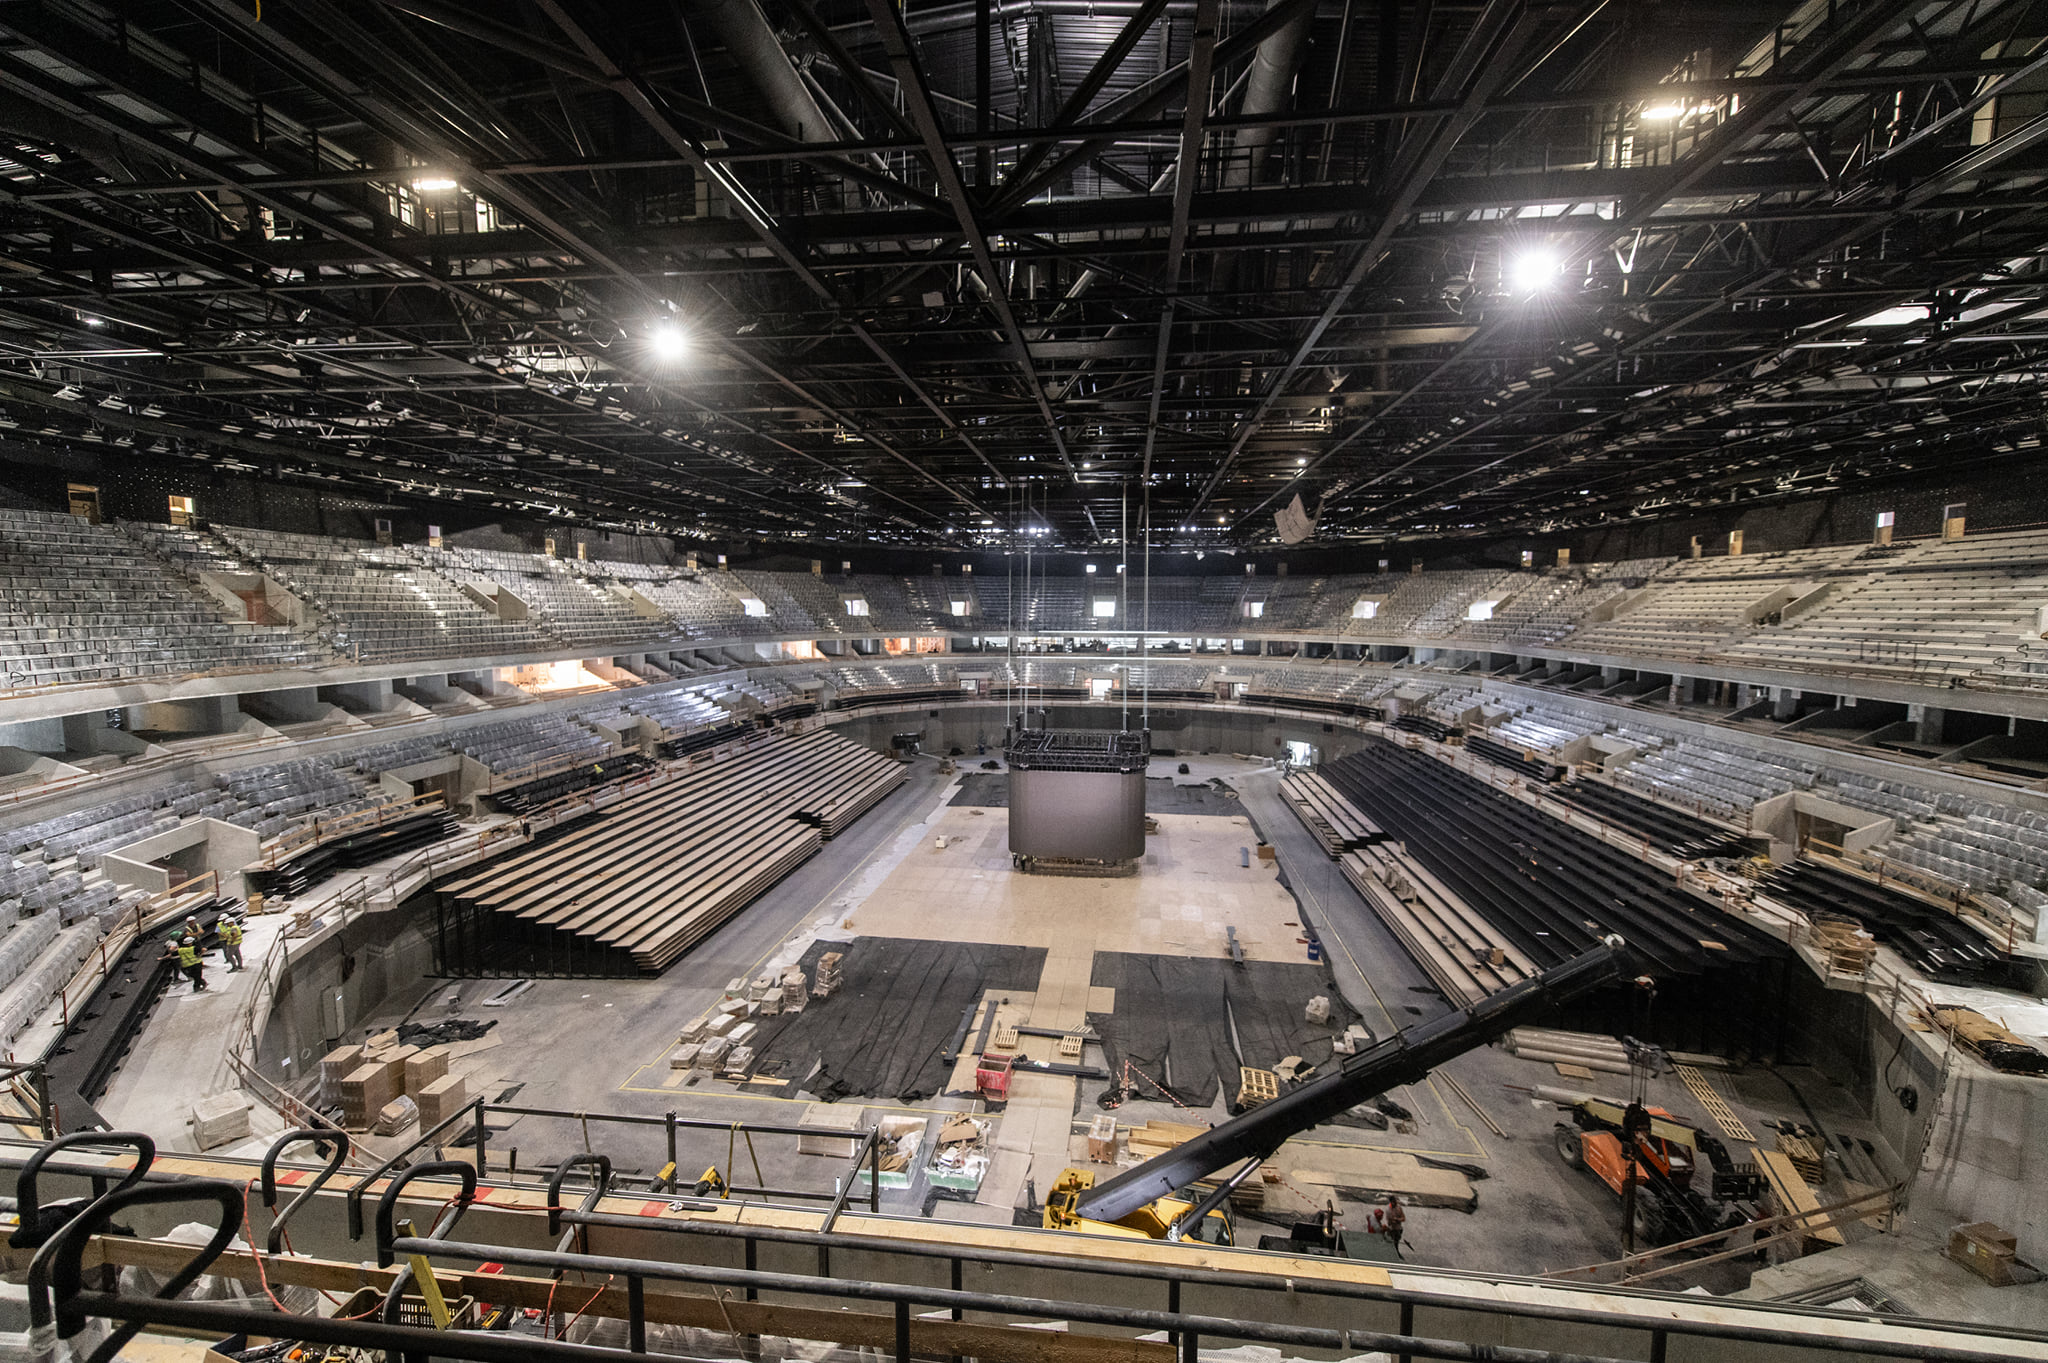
380, 605
571, 607
1700, 606
706, 607
84, 603
1941, 609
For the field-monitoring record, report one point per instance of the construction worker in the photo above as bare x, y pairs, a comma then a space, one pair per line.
184, 949
230, 942
1390, 1221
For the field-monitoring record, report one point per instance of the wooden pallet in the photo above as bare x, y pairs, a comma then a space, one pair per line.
1255, 1087
1803, 1156
1716, 1106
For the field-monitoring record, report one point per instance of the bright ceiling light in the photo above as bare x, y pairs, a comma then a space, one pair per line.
1902, 316
434, 184
1532, 270
1663, 111
669, 343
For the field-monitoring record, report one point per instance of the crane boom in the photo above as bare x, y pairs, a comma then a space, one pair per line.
1402, 1058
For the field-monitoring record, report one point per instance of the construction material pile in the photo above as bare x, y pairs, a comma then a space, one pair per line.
1997, 1046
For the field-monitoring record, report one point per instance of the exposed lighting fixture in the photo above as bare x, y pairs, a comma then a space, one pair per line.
1531, 271
92, 321
1904, 315
434, 184
668, 343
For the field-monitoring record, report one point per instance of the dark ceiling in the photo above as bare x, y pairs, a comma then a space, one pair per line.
845, 272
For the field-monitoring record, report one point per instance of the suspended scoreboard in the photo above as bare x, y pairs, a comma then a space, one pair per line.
1077, 797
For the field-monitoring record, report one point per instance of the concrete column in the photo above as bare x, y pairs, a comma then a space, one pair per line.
1927, 722
1784, 702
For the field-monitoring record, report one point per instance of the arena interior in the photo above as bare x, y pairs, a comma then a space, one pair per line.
1045, 681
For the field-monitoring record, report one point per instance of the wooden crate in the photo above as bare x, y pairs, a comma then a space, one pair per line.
441, 1099
364, 1093
1985, 1250
424, 1068
1102, 1138
336, 1066
1255, 1087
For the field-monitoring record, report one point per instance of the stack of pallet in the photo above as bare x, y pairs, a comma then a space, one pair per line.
1804, 1155
1844, 945
828, 975
795, 990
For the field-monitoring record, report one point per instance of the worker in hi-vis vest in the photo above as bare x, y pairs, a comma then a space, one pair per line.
230, 942
184, 949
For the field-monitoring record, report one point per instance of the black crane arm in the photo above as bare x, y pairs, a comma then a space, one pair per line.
1402, 1058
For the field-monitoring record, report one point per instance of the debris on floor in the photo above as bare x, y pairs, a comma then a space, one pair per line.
897, 1141
959, 1157
442, 1033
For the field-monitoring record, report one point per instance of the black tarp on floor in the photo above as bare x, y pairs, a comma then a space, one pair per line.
1170, 1020
897, 1007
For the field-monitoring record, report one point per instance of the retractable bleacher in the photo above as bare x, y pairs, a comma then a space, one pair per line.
648, 878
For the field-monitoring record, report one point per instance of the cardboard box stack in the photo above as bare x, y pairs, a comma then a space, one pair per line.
441, 1099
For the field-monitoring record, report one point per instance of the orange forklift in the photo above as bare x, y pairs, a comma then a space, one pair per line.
1650, 1158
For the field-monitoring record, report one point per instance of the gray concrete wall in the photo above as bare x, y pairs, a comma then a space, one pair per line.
198, 846
1989, 1157
374, 957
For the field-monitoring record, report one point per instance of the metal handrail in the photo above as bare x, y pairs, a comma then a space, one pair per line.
339, 1140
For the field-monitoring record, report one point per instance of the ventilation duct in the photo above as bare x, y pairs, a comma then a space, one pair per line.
1266, 91
750, 40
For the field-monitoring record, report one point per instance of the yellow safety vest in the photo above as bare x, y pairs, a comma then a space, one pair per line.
231, 934
188, 954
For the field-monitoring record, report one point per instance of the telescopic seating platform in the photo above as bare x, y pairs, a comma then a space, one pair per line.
1669, 830
1937, 943
1549, 890
634, 887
